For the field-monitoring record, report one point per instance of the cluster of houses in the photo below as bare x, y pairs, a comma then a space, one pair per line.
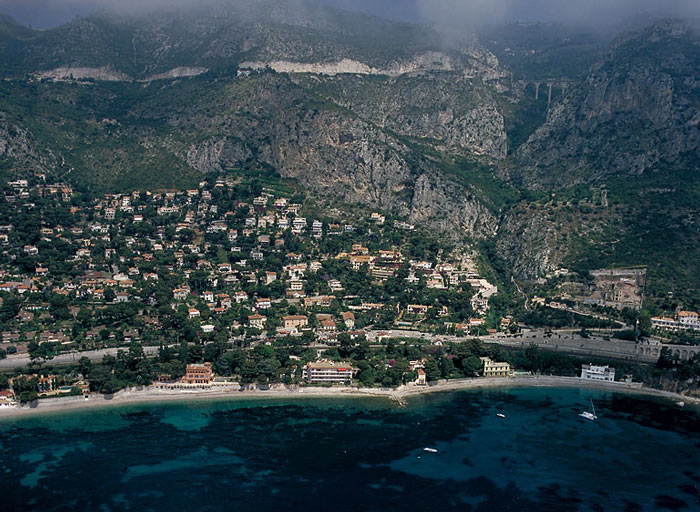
119, 246
617, 288
44, 386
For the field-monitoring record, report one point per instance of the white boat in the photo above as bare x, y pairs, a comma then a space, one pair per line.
431, 450
500, 415
589, 415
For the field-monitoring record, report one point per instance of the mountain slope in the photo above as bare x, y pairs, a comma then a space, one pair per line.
440, 136
120, 136
636, 110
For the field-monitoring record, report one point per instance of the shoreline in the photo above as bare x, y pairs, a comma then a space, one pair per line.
153, 395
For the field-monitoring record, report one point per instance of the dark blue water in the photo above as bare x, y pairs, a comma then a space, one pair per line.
360, 455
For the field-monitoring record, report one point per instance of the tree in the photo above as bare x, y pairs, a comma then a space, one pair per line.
532, 357
41, 352
249, 371
25, 388
471, 366
267, 368
109, 295
446, 367
84, 317
644, 323
84, 366
367, 376
432, 369
58, 307
9, 308
666, 359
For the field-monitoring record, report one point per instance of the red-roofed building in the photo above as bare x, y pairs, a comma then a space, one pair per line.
198, 374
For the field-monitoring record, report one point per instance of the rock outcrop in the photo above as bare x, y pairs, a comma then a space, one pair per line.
217, 154
429, 61
531, 244
104, 73
178, 72
19, 146
636, 110
352, 161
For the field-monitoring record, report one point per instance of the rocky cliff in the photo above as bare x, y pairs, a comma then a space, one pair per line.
446, 109
636, 110
331, 152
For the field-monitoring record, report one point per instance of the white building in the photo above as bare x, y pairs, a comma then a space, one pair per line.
329, 372
689, 320
684, 320
592, 372
663, 322
299, 224
317, 228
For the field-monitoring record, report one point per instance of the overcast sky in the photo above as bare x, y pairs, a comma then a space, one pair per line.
450, 14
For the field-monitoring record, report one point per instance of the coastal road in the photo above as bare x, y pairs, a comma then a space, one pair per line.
14, 361
567, 341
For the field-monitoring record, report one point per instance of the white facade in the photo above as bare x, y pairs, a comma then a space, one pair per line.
591, 372
684, 320
328, 372
689, 320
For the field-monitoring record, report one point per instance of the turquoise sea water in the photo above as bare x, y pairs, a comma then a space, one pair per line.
360, 455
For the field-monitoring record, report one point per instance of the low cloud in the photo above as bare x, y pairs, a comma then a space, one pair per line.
451, 16
455, 15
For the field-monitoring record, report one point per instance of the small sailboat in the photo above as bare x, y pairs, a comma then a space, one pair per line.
500, 415
589, 415
431, 450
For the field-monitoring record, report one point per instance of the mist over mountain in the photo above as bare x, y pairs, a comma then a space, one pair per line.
449, 16
552, 143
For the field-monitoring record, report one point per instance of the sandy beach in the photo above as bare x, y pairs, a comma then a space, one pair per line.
152, 394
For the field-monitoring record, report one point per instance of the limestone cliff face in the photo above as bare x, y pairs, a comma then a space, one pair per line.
217, 154
327, 150
639, 108
178, 72
474, 63
445, 109
290, 36
348, 159
104, 73
340, 156
438, 203
530, 242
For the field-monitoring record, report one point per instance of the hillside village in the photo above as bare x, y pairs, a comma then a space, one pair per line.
228, 263
247, 268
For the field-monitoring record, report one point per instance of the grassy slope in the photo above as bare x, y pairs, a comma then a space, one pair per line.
658, 226
90, 127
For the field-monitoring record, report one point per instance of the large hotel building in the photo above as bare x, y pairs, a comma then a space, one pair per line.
328, 372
